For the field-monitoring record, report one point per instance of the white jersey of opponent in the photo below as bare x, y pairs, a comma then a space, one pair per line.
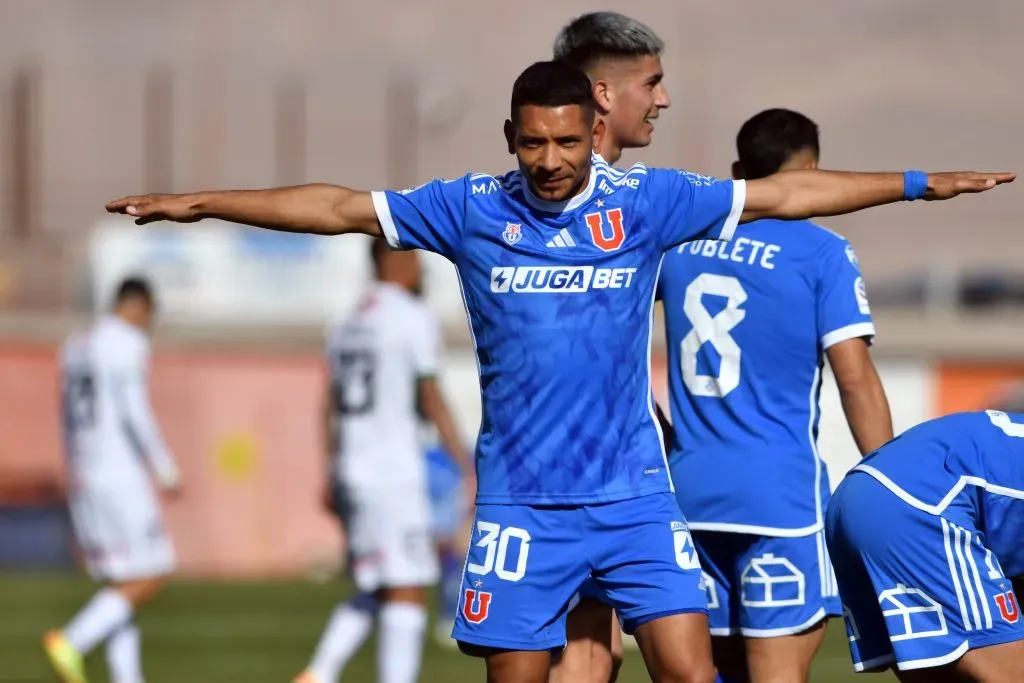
376, 358
110, 432
108, 424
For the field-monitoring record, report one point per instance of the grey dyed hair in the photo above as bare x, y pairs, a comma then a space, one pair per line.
598, 35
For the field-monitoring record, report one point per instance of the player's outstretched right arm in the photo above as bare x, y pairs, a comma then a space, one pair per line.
318, 208
807, 194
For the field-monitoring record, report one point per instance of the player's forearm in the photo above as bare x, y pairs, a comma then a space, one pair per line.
436, 410
142, 422
319, 209
449, 437
867, 410
806, 194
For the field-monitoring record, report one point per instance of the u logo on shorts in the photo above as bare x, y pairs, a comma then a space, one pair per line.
475, 605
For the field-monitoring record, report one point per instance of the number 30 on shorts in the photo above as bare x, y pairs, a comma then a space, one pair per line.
495, 542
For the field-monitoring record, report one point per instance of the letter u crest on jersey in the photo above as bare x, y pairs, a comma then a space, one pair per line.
607, 230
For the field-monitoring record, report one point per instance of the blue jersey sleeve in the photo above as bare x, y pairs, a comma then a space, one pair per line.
430, 217
843, 309
687, 206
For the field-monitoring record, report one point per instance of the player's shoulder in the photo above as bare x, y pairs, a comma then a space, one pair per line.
609, 179
823, 235
75, 346
800, 234
402, 309
116, 339
486, 187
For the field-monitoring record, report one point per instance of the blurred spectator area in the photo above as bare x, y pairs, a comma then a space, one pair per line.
112, 97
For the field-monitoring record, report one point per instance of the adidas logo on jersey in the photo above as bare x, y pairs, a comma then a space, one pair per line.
562, 239
563, 279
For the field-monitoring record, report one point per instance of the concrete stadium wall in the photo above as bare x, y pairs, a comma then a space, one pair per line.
246, 431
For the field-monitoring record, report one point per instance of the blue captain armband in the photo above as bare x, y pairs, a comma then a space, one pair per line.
915, 185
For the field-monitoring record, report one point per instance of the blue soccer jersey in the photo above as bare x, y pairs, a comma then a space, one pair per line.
926, 533
967, 467
747, 325
560, 300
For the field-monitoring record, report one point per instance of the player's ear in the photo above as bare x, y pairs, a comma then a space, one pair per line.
737, 170
812, 165
599, 130
510, 135
603, 96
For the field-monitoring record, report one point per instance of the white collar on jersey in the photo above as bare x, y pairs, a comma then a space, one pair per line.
569, 204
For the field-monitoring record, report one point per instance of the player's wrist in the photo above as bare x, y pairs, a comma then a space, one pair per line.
202, 204
915, 185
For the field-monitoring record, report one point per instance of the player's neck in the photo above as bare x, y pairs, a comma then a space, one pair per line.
605, 145
609, 151
125, 318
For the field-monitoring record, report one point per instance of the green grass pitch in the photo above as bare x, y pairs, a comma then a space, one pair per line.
210, 632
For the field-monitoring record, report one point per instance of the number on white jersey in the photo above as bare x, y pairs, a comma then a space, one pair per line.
79, 398
354, 375
1002, 420
714, 330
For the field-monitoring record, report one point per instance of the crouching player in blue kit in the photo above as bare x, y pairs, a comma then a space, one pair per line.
927, 536
748, 326
572, 478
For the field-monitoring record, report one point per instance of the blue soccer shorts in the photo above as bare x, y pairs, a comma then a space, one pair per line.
918, 590
526, 563
766, 586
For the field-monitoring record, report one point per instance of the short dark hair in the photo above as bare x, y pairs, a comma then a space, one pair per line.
767, 140
602, 35
552, 84
134, 287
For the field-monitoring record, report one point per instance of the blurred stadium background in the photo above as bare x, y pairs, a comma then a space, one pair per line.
111, 97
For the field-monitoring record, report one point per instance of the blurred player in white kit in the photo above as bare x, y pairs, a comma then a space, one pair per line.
383, 364
110, 435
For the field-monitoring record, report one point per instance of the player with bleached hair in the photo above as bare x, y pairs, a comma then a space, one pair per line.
558, 262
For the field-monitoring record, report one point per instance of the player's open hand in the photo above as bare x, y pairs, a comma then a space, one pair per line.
148, 208
171, 492
949, 185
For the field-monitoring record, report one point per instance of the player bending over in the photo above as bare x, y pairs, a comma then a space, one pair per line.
572, 478
383, 364
622, 58
748, 325
927, 539
108, 424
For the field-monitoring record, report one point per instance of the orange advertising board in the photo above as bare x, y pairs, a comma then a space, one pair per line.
976, 386
246, 431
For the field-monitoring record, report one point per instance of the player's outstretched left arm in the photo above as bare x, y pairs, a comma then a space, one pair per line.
318, 208
806, 194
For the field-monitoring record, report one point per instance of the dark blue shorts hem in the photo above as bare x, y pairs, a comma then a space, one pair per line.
631, 624
503, 644
995, 639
